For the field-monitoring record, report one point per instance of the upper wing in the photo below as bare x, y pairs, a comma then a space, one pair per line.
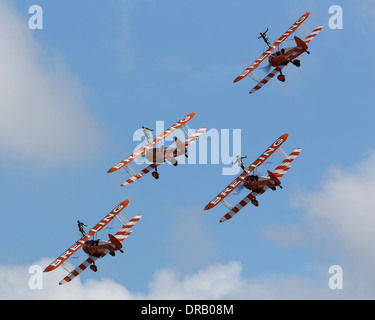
287, 33
194, 137
263, 157
66, 255
149, 145
278, 172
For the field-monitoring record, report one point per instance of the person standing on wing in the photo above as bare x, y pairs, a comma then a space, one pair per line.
240, 163
80, 227
146, 132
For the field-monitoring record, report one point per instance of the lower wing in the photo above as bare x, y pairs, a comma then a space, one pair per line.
140, 174
267, 78
89, 261
313, 34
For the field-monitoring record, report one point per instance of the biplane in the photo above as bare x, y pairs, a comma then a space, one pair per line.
96, 248
283, 56
255, 183
159, 155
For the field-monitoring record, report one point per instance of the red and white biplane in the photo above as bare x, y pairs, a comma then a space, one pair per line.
159, 155
96, 248
255, 183
282, 56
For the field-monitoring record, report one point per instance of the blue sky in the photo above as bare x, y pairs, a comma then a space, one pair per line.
76, 91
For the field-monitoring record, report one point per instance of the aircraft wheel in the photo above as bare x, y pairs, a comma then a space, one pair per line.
273, 188
176, 163
112, 253
155, 175
296, 62
255, 202
281, 77
94, 268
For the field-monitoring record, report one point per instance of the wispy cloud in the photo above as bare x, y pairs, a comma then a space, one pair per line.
340, 223
43, 117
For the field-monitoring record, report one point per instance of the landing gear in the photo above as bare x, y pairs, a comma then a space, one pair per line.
273, 188
281, 77
255, 202
155, 174
174, 162
94, 268
112, 253
296, 62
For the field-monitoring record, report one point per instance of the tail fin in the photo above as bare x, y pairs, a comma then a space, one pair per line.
181, 147
115, 242
274, 178
300, 43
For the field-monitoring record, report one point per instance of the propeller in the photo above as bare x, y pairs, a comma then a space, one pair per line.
267, 68
239, 189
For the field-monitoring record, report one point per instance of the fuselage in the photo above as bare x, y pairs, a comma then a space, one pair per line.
160, 155
97, 247
282, 57
156, 155
254, 182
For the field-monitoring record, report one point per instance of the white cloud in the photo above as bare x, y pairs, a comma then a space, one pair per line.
339, 224
216, 281
343, 208
42, 116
